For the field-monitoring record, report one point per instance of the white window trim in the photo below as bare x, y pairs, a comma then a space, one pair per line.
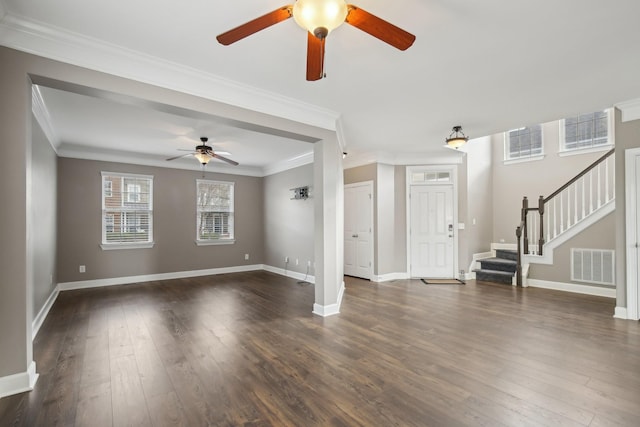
219, 241
505, 149
106, 246
562, 151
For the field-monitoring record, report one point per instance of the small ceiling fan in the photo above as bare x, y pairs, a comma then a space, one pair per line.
204, 153
319, 18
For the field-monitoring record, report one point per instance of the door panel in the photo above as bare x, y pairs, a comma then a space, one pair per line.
358, 225
432, 231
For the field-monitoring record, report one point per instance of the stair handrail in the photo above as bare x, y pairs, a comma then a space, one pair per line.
522, 235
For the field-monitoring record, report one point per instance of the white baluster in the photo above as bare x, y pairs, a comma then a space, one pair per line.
554, 218
575, 202
606, 179
599, 187
583, 183
561, 212
590, 191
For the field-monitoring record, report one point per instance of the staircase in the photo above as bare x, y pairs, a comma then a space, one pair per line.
499, 269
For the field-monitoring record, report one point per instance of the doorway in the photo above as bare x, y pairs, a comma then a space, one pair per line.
432, 240
358, 229
632, 184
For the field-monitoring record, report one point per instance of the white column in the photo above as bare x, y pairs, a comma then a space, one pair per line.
328, 198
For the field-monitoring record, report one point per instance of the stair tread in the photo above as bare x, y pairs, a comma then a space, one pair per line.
499, 260
496, 272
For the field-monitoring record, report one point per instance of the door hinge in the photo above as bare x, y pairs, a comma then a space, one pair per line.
369, 196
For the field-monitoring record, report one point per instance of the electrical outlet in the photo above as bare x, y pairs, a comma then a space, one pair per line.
82, 269
308, 263
286, 259
297, 261
246, 256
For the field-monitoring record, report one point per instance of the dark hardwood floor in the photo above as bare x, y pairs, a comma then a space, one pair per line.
244, 349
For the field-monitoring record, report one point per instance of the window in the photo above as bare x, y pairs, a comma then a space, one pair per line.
214, 211
127, 210
108, 188
523, 143
584, 131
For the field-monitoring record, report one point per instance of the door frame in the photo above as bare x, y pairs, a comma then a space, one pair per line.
370, 186
631, 196
453, 171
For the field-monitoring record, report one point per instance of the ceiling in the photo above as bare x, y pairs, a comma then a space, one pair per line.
488, 66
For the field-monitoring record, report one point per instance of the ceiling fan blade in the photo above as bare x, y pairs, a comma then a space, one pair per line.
179, 157
255, 25
315, 57
379, 28
224, 159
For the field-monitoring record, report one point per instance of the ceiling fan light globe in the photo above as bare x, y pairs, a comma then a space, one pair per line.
202, 158
314, 14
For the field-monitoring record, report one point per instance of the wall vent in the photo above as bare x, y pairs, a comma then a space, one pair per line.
593, 266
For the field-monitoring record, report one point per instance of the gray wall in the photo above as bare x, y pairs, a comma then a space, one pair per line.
17, 72
43, 215
174, 224
598, 236
389, 214
627, 136
531, 179
288, 224
479, 197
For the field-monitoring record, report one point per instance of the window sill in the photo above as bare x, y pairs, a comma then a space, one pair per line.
524, 159
116, 246
587, 150
215, 242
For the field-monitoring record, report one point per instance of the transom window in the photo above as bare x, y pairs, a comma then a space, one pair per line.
587, 130
524, 142
215, 207
127, 210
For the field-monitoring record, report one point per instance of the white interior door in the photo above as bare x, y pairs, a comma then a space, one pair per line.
432, 231
358, 226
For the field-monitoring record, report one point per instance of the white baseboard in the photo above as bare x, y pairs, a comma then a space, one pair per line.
621, 313
19, 383
67, 286
573, 287
389, 277
42, 314
471, 275
331, 309
289, 273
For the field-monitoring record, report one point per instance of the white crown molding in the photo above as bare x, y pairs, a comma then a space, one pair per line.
41, 112
66, 46
403, 159
85, 153
630, 109
287, 164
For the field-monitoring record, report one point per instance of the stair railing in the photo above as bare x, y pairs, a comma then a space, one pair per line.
567, 206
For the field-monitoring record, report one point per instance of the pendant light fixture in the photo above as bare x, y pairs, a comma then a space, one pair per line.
457, 138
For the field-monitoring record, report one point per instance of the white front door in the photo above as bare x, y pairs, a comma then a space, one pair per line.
358, 226
432, 231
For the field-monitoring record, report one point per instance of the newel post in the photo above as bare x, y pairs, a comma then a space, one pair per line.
518, 257
541, 212
523, 218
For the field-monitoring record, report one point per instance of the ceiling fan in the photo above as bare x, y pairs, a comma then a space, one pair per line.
204, 153
319, 18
